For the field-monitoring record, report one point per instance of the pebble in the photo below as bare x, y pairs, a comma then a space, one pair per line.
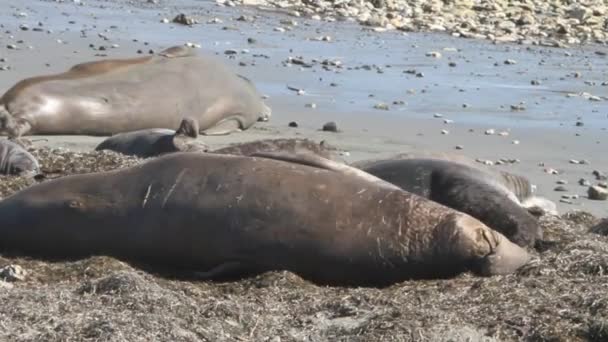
293, 124
600, 176
12, 273
445, 132
11, 47
510, 61
597, 193
433, 54
515, 142
562, 182
381, 106
184, 20
490, 131
551, 171
584, 182
311, 105
459, 147
560, 188
330, 127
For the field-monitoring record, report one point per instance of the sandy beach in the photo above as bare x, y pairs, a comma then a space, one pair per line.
532, 109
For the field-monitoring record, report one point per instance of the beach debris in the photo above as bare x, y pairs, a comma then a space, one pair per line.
12, 273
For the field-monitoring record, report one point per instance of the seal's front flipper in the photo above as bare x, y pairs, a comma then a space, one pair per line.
188, 128
224, 127
313, 160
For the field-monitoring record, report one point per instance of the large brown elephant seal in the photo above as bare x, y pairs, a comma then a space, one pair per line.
230, 216
16, 160
147, 143
490, 196
123, 95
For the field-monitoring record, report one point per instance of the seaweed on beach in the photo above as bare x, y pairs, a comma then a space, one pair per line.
560, 295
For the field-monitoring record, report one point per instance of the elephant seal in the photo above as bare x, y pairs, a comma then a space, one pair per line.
153, 142
321, 149
123, 95
227, 216
16, 160
491, 197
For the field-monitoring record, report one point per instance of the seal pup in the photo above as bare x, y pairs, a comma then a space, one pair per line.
226, 216
16, 160
122, 95
154, 142
491, 197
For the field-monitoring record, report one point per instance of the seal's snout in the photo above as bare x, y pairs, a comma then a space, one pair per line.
505, 257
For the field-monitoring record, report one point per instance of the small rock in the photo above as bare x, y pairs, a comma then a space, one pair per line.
12, 273
600, 176
311, 105
184, 20
562, 182
490, 131
293, 124
330, 127
584, 182
510, 61
560, 188
445, 132
433, 54
459, 147
515, 142
381, 106
597, 193
551, 171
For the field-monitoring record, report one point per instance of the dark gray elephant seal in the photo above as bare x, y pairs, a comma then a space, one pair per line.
16, 160
321, 149
124, 95
491, 197
154, 142
230, 216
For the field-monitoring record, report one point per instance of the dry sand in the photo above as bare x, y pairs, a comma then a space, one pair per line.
560, 297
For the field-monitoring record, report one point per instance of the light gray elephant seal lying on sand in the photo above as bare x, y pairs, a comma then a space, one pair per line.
153, 142
16, 160
231, 216
122, 95
491, 196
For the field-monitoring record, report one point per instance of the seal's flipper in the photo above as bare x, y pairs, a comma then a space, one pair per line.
519, 185
188, 128
224, 127
490, 205
177, 51
313, 160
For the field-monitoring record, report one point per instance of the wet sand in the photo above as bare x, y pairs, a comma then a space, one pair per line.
470, 83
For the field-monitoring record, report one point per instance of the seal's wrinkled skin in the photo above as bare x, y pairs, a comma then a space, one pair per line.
16, 160
154, 142
123, 95
321, 149
492, 197
231, 216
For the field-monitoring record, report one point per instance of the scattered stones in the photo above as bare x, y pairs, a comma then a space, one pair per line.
597, 193
184, 20
381, 106
12, 273
330, 127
